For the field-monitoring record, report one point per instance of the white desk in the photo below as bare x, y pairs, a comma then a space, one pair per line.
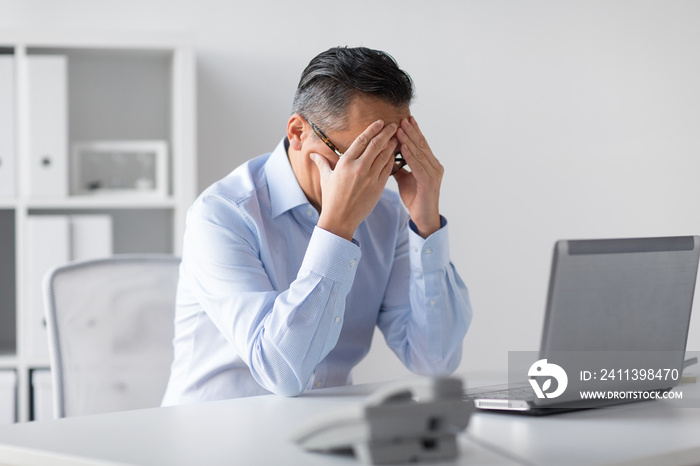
617, 434
255, 431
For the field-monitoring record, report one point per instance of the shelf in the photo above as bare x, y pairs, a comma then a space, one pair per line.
135, 87
8, 361
90, 202
98, 39
37, 363
101, 202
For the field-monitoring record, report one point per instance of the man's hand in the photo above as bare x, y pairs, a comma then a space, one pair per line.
351, 190
419, 188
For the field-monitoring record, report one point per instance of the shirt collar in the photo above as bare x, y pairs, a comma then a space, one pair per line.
285, 192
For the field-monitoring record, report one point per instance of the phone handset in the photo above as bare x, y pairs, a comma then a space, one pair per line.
407, 421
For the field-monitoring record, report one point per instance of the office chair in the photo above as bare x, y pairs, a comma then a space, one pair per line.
110, 326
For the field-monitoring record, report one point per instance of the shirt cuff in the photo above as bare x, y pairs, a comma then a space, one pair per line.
331, 256
432, 253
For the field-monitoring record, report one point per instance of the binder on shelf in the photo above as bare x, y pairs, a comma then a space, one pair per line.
54, 240
48, 125
8, 395
91, 236
42, 396
7, 126
48, 241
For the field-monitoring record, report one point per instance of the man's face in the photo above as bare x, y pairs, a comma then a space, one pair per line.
362, 112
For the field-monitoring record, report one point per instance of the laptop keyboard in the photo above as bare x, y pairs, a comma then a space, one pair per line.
520, 392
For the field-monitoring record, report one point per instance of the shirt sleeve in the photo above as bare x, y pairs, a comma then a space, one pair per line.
280, 335
426, 310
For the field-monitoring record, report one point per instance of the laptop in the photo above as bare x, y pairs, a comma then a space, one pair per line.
615, 328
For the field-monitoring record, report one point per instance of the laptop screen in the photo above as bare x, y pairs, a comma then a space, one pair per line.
621, 294
620, 307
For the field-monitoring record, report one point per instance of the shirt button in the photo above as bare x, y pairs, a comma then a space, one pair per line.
336, 320
432, 302
319, 384
353, 263
414, 249
428, 251
309, 213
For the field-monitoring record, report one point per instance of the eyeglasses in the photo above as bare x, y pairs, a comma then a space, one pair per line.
399, 161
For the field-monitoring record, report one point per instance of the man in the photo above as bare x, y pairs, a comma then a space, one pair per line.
291, 260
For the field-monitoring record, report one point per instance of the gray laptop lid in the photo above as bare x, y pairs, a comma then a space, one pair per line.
621, 294
620, 303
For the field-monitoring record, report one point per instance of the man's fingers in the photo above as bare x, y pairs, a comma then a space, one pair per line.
384, 162
414, 158
362, 141
372, 140
321, 162
389, 165
414, 144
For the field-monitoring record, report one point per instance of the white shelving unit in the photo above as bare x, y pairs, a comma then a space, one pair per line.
119, 88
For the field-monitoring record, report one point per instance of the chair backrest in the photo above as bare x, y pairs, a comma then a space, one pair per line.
110, 325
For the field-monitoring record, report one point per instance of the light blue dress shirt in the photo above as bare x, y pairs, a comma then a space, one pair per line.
269, 302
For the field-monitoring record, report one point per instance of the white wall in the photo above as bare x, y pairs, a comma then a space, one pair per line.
555, 119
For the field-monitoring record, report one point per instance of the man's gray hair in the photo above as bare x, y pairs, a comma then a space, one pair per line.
334, 77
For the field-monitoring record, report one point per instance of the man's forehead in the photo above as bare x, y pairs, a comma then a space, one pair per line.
365, 110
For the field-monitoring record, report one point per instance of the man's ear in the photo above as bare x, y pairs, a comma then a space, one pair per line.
295, 131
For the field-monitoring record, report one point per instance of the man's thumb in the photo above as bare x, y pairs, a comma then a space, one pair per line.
323, 167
